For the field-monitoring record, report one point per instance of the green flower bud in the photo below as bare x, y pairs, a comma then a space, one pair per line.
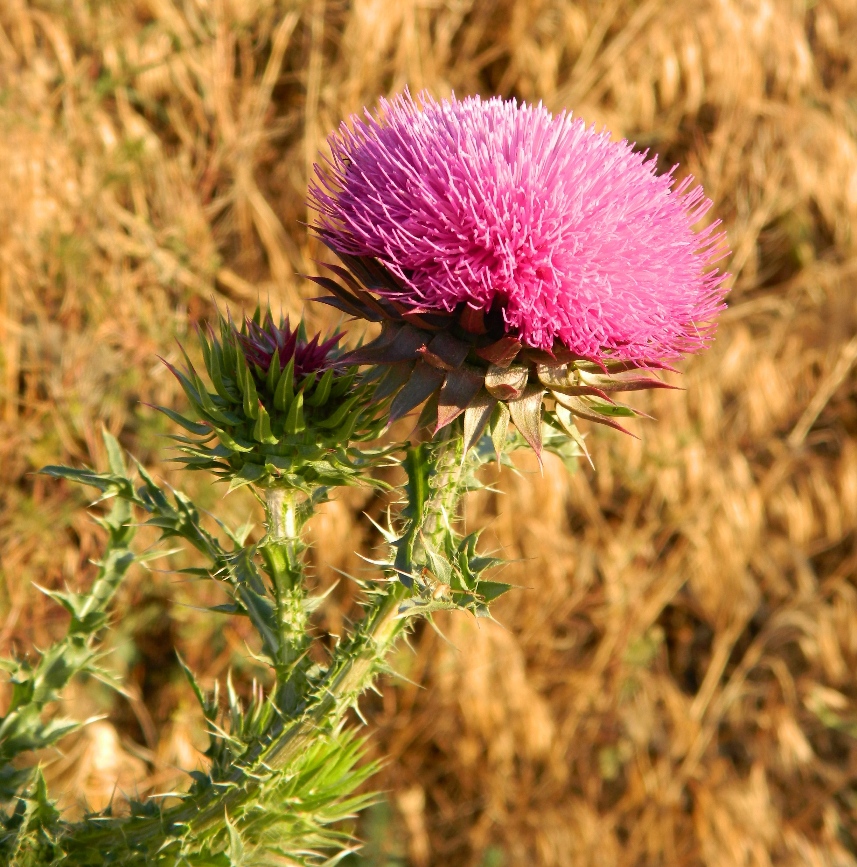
281, 410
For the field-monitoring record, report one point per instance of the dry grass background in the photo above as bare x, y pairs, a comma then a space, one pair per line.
676, 686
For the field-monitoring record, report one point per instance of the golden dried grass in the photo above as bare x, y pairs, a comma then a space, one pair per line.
676, 684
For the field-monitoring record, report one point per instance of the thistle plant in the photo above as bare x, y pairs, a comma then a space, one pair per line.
524, 270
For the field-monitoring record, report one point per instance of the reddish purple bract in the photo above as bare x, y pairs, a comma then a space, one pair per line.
493, 205
261, 341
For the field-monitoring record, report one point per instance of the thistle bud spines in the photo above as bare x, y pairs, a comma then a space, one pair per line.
281, 409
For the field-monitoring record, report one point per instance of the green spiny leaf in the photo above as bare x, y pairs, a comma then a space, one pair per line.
235, 850
249, 473
187, 424
343, 383
251, 398
309, 381
274, 373
114, 453
231, 443
338, 417
215, 366
108, 483
262, 430
491, 590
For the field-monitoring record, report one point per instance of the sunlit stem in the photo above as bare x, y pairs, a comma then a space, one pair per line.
282, 551
449, 477
356, 663
281, 505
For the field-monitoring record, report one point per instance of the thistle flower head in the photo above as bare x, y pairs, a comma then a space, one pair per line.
521, 264
494, 208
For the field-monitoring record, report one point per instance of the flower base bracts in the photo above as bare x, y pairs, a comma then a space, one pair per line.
465, 363
512, 255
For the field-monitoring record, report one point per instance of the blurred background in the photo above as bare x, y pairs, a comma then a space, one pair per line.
674, 683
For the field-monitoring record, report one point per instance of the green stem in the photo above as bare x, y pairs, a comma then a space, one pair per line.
449, 473
281, 505
284, 741
356, 664
282, 551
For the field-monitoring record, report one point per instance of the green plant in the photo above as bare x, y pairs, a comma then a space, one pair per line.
283, 772
488, 318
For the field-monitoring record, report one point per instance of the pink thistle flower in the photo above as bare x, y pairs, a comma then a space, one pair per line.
540, 222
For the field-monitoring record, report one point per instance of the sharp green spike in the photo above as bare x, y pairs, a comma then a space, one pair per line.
188, 388
344, 433
309, 381
205, 347
191, 370
231, 443
343, 383
225, 330
251, 398
262, 430
285, 392
240, 365
274, 371
194, 428
211, 408
295, 422
338, 417
231, 350
322, 390
215, 373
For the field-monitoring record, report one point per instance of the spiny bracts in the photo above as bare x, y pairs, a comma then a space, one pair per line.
284, 410
456, 364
